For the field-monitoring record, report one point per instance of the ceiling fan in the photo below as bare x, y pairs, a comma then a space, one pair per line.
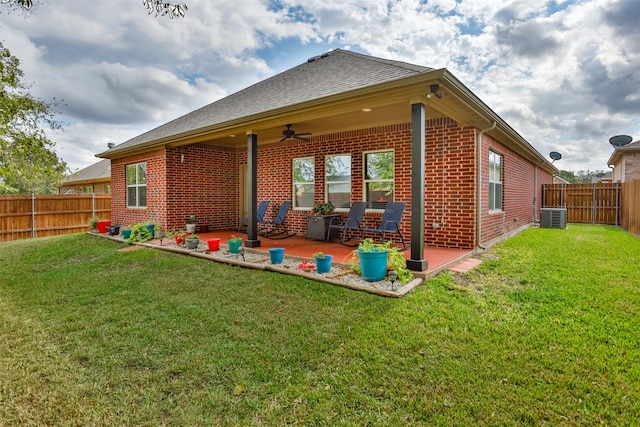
289, 133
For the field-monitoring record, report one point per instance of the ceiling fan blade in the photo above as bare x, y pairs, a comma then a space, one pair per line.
301, 139
303, 133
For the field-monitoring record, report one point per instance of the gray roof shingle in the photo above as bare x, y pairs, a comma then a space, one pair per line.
332, 73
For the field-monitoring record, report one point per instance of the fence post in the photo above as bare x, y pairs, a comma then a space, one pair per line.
593, 204
93, 205
617, 201
33, 215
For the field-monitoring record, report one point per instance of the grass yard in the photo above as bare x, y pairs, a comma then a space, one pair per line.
548, 332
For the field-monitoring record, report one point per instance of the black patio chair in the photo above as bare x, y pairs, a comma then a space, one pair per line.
390, 222
351, 223
275, 229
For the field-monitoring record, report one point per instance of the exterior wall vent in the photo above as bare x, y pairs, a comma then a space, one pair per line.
553, 218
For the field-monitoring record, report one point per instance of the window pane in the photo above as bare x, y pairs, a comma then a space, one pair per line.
303, 170
142, 173
131, 197
379, 165
379, 193
339, 194
498, 195
338, 168
131, 174
303, 196
142, 194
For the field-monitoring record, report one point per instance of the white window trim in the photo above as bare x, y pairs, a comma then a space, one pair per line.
365, 180
293, 187
127, 186
493, 181
326, 182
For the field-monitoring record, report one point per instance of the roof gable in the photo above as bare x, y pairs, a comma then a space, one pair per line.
332, 73
619, 152
99, 170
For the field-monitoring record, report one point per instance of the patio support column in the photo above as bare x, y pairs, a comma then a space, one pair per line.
417, 261
252, 188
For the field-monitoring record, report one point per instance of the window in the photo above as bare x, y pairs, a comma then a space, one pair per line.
137, 185
337, 172
378, 178
304, 172
495, 181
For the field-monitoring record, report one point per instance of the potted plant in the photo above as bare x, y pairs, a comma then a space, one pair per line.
323, 262
191, 224
142, 232
320, 208
374, 259
192, 241
178, 235
102, 225
126, 232
234, 244
93, 223
151, 228
318, 220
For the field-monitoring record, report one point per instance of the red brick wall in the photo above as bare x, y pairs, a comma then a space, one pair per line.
522, 191
450, 189
203, 180
154, 211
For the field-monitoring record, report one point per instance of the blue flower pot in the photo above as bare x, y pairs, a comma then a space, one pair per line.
277, 255
373, 265
323, 265
234, 245
151, 229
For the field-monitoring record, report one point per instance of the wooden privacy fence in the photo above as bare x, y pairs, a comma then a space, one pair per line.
630, 209
585, 203
40, 215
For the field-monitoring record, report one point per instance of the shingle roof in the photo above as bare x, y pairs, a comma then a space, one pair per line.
101, 169
332, 73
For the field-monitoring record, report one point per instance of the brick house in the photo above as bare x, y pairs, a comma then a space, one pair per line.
95, 178
376, 129
626, 162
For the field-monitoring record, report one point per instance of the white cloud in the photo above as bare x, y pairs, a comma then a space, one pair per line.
564, 74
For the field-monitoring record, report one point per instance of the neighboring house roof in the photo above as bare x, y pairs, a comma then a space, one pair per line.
100, 171
559, 180
633, 147
331, 84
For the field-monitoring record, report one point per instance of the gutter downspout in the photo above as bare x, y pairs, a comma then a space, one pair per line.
479, 186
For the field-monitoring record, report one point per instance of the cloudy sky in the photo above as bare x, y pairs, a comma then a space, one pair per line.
564, 74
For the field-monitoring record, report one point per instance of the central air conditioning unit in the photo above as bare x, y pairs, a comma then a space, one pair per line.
553, 218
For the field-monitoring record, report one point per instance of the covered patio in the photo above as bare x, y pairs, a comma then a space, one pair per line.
298, 246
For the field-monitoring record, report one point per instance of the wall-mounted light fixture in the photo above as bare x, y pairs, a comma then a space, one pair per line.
433, 91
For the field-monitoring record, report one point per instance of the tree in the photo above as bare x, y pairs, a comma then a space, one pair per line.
158, 6
568, 176
161, 8
28, 163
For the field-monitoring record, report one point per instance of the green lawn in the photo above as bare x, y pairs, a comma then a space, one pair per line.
547, 332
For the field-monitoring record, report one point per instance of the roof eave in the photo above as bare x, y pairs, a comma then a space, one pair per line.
263, 118
522, 146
